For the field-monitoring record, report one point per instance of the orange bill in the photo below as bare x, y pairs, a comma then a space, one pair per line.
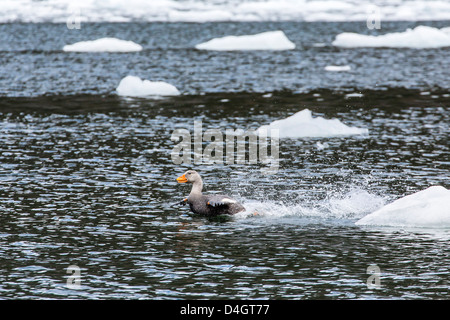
182, 179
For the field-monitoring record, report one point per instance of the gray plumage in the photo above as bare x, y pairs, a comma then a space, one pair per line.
207, 205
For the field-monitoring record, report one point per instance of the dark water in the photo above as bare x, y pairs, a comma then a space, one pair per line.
88, 181
32, 62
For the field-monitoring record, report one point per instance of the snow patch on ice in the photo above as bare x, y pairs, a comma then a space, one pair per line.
303, 124
132, 86
270, 40
426, 208
419, 37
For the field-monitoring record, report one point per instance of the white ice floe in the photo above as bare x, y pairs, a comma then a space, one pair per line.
132, 86
337, 68
271, 40
302, 124
427, 208
419, 37
104, 45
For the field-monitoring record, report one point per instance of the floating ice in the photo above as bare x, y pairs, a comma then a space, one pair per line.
321, 146
271, 40
59, 11
419, 37
337, 68
354, 95
302, 124
104, 45
132, 86
427, 208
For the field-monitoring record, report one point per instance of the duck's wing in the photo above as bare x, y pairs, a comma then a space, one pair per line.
180, 203
219, 200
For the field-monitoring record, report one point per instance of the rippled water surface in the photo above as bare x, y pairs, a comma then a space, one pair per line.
88, 181
32, 62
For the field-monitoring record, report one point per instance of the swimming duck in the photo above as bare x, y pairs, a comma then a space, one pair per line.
207, 205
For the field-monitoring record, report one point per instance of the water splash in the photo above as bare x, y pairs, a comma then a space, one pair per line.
351, 205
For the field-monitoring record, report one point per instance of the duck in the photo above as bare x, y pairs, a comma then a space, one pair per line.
207, 205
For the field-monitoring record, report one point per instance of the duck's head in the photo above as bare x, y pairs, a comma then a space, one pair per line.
190, 176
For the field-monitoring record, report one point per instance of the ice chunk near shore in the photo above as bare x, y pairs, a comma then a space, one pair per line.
419, 37
302, 124
426, 208
132, 86
104, 45
271, 40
